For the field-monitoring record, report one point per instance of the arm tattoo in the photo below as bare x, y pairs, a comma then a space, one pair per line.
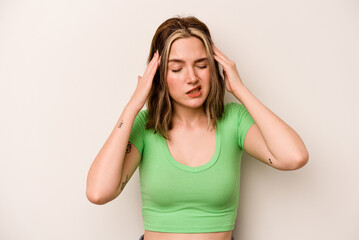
270, 161
129, 147
121, 123
124, 183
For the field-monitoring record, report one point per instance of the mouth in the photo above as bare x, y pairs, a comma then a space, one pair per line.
194, 90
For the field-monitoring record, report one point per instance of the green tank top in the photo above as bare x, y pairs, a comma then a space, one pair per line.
182, 199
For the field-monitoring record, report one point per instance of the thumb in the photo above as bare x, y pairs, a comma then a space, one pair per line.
139, 77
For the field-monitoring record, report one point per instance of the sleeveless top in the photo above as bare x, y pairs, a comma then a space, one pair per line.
182, 199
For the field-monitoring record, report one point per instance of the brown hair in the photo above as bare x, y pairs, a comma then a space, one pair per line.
159, 102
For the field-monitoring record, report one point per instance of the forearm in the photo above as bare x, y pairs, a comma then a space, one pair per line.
104, 175
282, 141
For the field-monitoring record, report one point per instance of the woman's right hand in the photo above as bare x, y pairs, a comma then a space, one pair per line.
144, 83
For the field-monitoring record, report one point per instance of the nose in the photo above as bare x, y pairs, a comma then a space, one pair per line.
191, 76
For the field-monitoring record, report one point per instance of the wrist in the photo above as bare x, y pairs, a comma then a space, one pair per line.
239, 91
135, 103
131, 106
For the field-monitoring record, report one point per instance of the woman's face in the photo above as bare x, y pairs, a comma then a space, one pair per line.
188, 68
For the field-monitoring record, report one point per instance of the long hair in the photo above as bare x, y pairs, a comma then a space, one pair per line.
159, 101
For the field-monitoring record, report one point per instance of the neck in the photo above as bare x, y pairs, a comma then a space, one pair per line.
188, 117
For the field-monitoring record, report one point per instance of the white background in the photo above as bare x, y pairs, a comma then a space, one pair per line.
68, 68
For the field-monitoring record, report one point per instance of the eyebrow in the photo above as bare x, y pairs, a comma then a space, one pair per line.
181, 61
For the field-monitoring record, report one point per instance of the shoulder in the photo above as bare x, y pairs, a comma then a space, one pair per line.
232, 105
229, 112
141, 118
232, 108
143, 115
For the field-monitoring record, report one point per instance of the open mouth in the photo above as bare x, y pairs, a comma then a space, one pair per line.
195, 90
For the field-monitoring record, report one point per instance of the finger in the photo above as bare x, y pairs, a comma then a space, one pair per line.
222, 61
223, 57
215, 49
220, 54
156, 63
224, 66
152, 64
152, 68
154, 57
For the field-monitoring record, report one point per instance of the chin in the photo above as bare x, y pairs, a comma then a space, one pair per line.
194, 103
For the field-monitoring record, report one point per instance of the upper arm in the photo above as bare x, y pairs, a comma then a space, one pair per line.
134, 149
255, 146
131, 161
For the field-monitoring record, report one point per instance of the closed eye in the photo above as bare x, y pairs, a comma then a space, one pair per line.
177, 70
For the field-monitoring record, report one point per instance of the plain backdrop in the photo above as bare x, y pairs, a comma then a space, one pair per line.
68, 68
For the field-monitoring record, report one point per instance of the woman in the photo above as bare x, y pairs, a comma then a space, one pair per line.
188, 144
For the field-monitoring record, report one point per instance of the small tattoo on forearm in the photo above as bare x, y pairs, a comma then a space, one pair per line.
129, 147
121, 123
124, 183
270, 161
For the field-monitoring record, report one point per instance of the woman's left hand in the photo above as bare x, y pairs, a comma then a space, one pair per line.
232, 79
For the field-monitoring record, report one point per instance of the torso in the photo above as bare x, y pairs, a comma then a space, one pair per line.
192, 148
149, 235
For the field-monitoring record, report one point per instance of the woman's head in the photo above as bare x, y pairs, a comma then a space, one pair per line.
160, 102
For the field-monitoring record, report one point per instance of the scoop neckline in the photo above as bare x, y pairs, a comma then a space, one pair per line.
200, 168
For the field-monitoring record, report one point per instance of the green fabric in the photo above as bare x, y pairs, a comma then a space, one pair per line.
183, 199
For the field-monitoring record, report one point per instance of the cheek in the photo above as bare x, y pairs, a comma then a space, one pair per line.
206, 76
172, 83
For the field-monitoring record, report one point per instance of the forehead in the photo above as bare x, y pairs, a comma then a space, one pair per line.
187, 49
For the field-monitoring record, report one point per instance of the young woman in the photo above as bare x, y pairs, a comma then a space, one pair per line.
188, 144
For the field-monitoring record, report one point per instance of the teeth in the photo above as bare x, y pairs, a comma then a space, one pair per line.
196, 90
